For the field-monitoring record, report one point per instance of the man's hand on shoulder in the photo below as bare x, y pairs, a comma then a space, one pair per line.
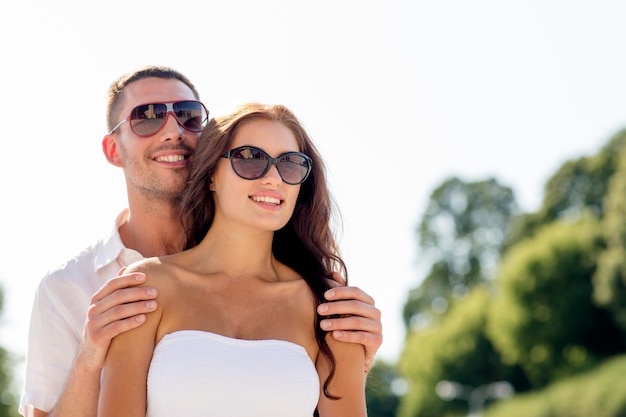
351, 316
118, 306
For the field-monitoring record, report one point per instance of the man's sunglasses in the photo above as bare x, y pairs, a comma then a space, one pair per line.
147, 119
251, 163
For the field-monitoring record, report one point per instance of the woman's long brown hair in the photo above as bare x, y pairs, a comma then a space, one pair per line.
306, 244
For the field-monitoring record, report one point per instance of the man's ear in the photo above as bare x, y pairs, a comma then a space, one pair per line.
109, 147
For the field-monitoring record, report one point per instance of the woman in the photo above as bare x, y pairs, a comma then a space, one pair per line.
236, 331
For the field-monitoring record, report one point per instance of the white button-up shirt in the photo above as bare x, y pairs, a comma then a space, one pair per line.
59, 312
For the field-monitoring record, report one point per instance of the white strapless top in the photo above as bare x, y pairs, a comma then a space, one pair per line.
197, 373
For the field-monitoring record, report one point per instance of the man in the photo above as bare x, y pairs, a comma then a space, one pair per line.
154, 117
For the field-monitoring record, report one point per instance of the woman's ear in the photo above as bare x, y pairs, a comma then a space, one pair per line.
109, 147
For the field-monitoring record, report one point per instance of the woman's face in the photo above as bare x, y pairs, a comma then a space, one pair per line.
266, 203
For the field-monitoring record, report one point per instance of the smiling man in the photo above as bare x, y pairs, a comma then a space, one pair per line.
155, 118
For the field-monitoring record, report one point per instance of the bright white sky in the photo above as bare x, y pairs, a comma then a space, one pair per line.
398, 95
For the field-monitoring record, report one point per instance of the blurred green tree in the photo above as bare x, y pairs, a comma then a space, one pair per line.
461, 235
610, 277
544, 318
384, 387
578, 186
558, 304
456, 349
8, 399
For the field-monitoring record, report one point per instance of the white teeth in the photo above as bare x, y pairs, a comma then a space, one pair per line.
265, 199
170, 158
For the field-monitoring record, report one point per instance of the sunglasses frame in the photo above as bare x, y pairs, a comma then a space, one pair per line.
270, 161
169, 107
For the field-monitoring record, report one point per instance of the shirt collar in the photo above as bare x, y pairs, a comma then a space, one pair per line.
111, 248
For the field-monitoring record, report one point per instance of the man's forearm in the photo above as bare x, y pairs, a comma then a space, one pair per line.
80, 396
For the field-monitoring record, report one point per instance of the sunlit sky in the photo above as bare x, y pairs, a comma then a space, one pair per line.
398, 96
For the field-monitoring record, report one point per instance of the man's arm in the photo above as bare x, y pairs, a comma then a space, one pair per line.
358, 318
118, 306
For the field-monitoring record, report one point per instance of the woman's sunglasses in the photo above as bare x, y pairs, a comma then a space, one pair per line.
251, 163
147, 119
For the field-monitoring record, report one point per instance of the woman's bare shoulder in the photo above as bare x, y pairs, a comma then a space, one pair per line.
156, 270
144, 265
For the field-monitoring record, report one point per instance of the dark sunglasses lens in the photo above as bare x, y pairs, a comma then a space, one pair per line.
147, 119
293, 168
249, 163
191, 115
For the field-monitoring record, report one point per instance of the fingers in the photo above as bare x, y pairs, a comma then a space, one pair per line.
105, 322
121, 298
366, 332
120, 281
350, 307
358, 324
371, 341
352, 317
354, 314
365, 329
336, 280
118, 306
348, 293
98, 333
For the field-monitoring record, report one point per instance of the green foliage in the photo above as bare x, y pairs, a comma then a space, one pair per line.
610, 278
457, 349
598, 393
465, 222
382, 401
461, 233
8, 401
556, 310
544, 319
431, 297
579, 186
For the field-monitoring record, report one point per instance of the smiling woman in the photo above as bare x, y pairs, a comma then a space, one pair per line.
258, 257
473, 89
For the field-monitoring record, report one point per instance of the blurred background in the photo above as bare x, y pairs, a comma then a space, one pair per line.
475, 150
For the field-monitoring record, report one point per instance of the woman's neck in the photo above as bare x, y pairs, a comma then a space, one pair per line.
235, 251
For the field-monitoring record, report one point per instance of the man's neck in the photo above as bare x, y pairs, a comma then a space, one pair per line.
153, 230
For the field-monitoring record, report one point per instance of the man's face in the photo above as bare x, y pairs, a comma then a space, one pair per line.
157, 166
